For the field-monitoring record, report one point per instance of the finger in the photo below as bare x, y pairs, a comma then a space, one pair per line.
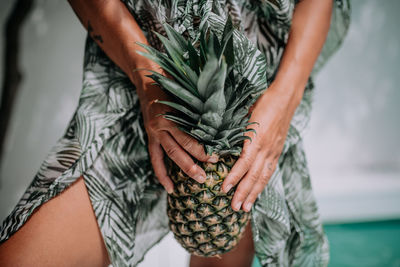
192, 146
181, 158
264, 177
257, 189
241, 167
247, 183
157, 160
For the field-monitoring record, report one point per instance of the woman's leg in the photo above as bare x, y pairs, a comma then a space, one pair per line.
61, 232
241, 256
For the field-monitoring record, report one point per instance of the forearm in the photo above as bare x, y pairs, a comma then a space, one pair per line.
310, 25
114, 29
274, 110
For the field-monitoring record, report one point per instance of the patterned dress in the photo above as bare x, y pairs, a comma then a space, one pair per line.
105, 140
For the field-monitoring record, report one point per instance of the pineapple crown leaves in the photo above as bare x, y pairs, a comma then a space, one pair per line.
210, 95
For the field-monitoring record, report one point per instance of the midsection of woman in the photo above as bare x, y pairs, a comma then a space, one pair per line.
112, 26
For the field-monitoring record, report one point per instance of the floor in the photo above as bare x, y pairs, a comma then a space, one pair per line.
366, 244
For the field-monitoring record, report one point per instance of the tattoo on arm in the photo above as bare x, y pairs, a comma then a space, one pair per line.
96, 37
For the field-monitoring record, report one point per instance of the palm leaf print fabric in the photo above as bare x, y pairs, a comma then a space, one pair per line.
105, 140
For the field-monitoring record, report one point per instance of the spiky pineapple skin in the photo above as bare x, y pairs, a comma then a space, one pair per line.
200, 215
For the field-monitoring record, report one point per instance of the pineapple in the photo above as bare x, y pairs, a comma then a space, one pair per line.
211, 100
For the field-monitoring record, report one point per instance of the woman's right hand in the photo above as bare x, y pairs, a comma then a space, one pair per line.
115, 30
165, 136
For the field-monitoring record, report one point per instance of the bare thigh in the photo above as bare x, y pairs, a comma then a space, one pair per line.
240, 256
61, 232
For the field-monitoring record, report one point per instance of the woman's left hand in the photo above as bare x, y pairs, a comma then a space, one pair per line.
275, 108
273, 112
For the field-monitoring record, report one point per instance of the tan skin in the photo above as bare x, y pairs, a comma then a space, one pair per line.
50, 237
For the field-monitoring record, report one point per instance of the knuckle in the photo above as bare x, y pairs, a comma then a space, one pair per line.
253, 178
268, 154
187, 142
171, 151
153, 124
257, 146
233, 178
252, 197
191, 146
246, 162
243, 191
157, 124
190, 169
264, 179
240, 195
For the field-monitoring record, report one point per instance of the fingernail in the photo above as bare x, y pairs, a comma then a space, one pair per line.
200, 178
170, 190
228, 187
237, 205
213, 159
247, 207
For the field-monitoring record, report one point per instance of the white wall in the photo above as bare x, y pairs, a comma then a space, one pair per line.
353, 144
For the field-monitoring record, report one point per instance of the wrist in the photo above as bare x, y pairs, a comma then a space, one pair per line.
148, 94
289, 94
291, 80
139, 69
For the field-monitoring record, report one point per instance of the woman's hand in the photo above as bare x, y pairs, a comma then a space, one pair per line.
164, 136
275, 108
273, 112
115, 30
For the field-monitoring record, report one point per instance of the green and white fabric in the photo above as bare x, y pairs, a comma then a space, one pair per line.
105, 140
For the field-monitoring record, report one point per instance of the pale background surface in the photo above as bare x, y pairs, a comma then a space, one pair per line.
352, 144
